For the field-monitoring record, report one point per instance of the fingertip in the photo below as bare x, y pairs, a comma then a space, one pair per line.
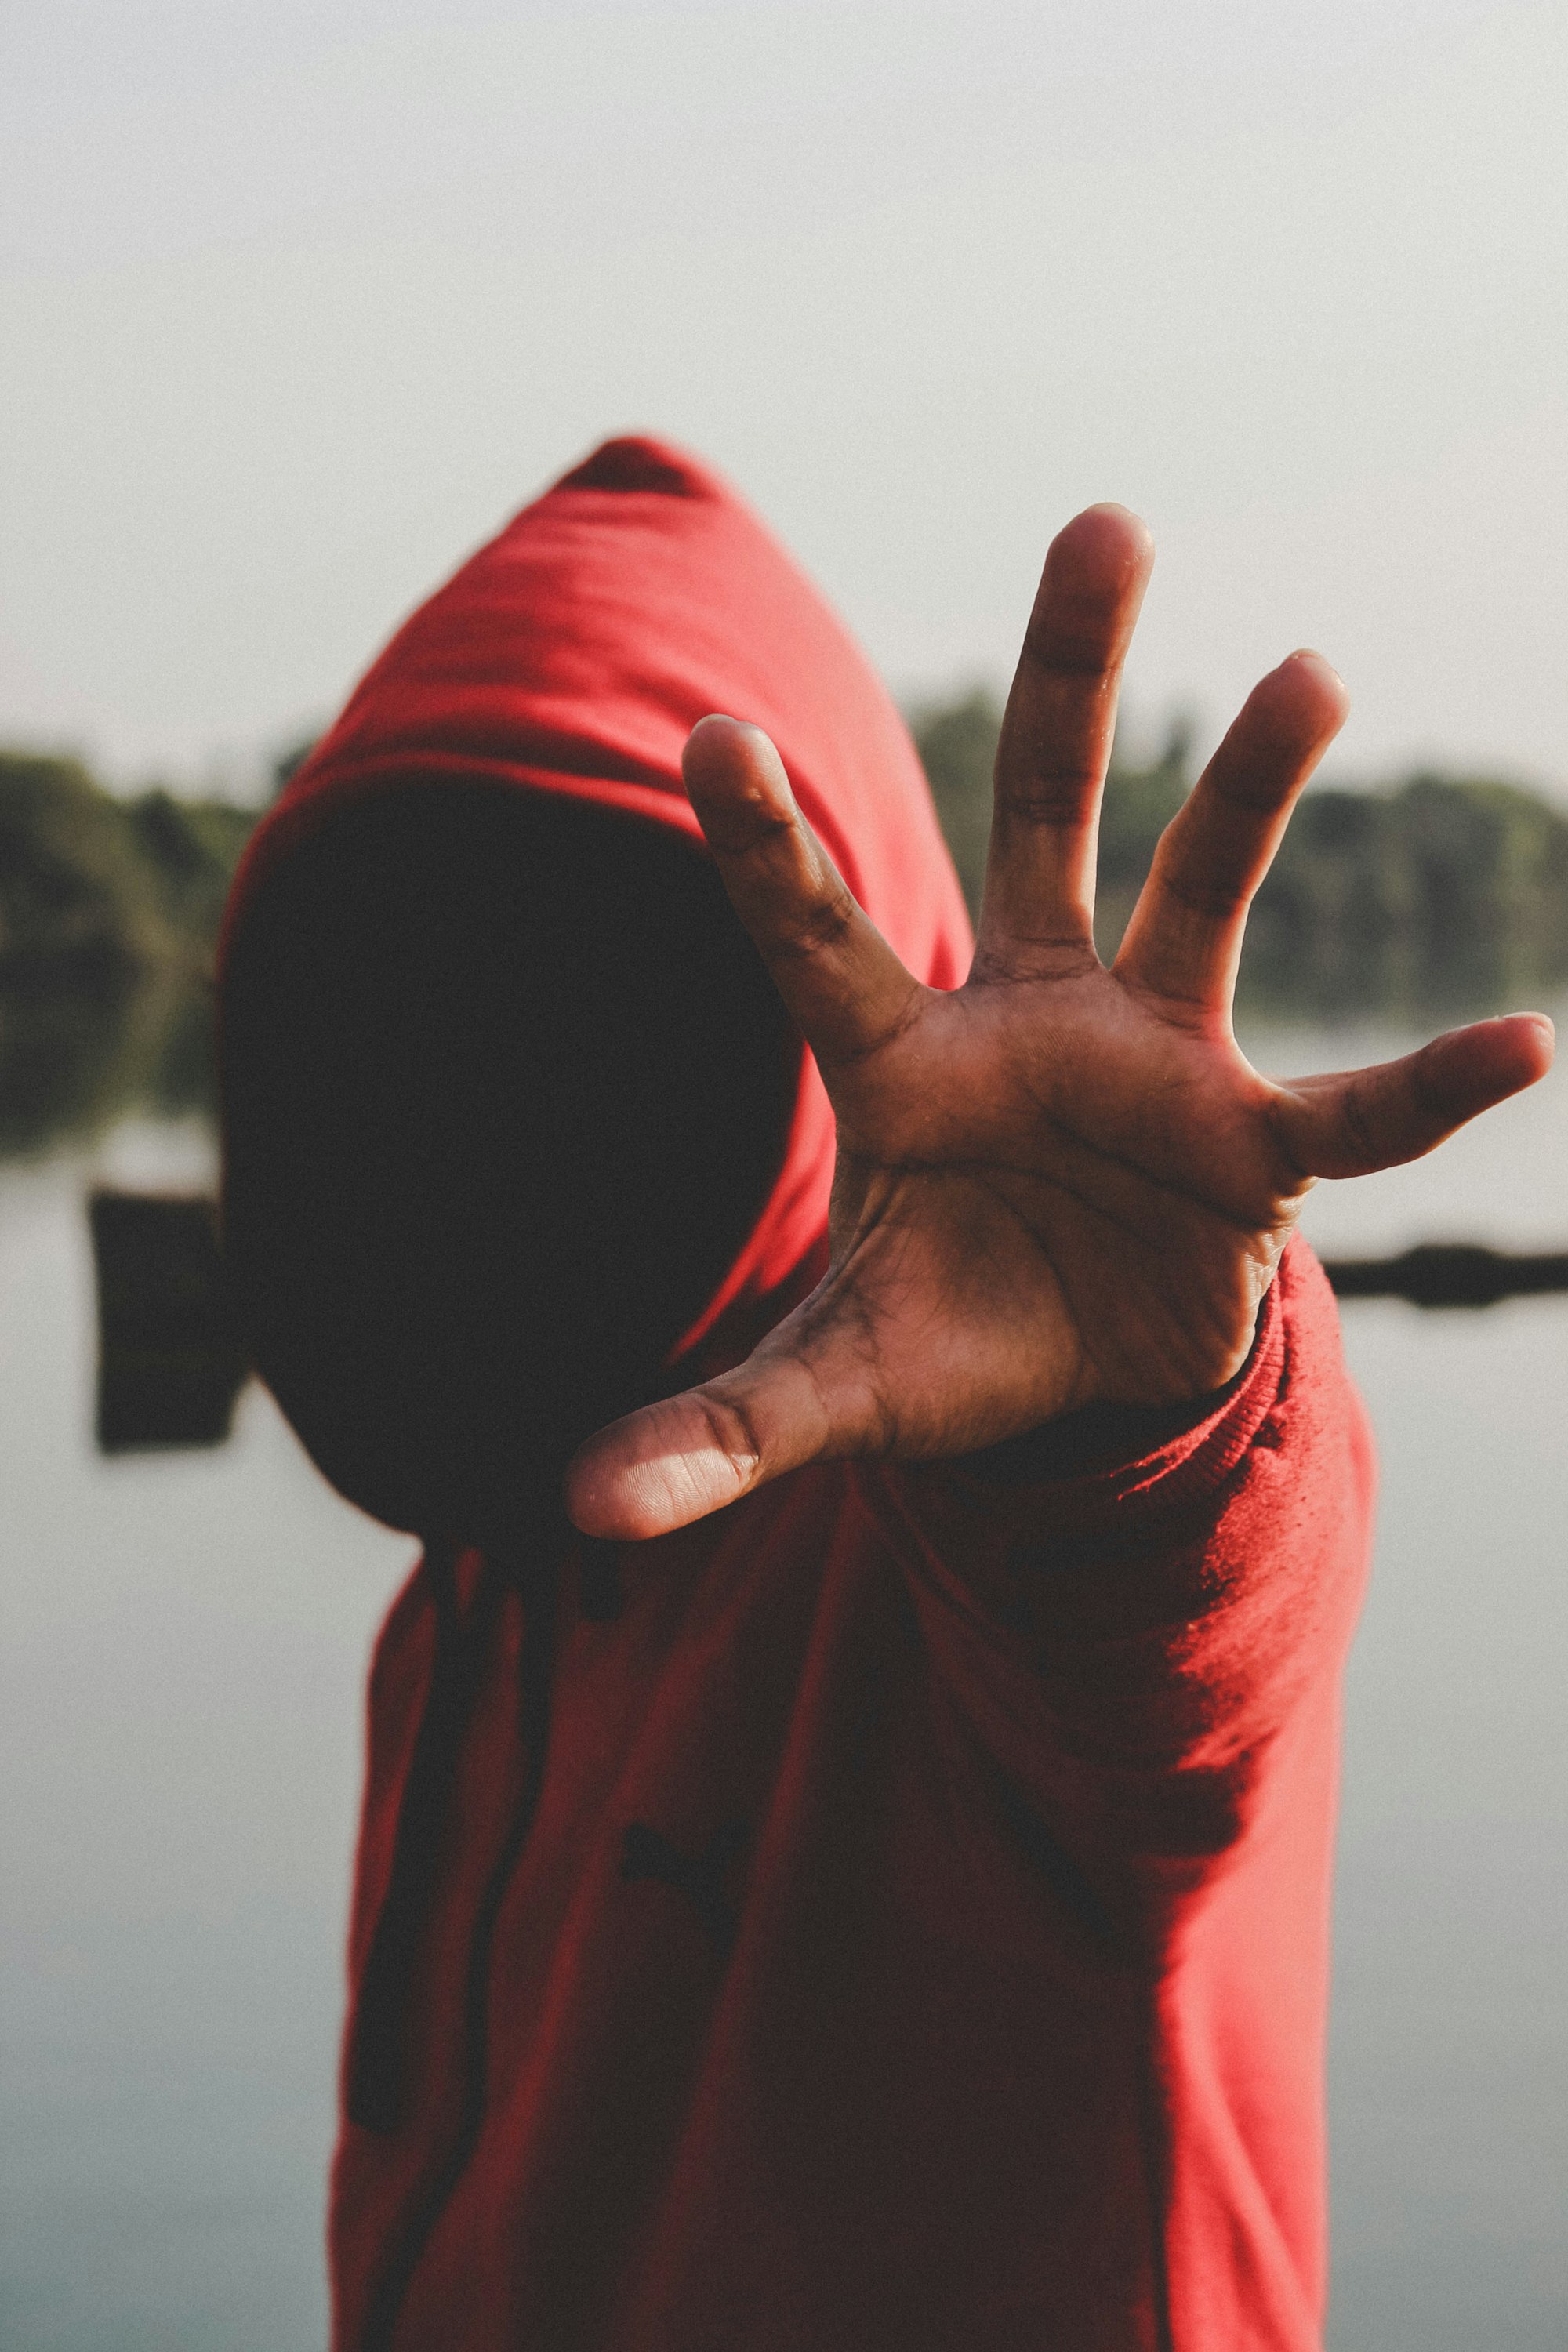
1318, 664
1301, 704
649, 1474
718, 746
1118, 516
1488, 1061
609, 1504
1530, 1042
732, 759
1107, 538
718, 736
1315, 679
590, 1499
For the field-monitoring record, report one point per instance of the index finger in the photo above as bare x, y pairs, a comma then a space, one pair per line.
1057, 734
845, 985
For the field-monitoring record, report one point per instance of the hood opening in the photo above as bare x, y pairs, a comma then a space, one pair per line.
506, 1089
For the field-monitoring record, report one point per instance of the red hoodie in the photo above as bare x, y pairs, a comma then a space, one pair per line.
894, 1912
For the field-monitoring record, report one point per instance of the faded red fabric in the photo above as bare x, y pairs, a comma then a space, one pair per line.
907, 1927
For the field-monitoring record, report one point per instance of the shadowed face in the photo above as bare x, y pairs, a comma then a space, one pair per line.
505, 1086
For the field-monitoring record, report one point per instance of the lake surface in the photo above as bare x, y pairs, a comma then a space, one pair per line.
184, 1642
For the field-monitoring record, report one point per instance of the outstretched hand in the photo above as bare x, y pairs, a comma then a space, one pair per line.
1059, 1183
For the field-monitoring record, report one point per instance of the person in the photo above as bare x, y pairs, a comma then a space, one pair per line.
850, 1791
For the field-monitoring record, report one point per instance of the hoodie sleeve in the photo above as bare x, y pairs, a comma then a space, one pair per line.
1132, 1640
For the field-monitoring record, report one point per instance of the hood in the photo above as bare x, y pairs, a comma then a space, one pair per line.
573, 654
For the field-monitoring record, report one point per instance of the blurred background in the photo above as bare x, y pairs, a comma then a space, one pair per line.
301, 303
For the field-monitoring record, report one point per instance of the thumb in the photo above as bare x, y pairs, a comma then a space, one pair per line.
688, 1456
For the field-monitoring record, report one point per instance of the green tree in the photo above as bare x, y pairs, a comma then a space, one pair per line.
108, 919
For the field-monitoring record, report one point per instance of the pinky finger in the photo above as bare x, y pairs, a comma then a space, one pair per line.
1356, 1122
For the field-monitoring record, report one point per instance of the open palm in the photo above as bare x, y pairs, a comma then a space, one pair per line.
1059, 1183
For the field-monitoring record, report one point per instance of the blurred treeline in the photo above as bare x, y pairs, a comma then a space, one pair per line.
109, 917
1438, 898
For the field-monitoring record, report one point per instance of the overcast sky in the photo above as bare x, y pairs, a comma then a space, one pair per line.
300, 300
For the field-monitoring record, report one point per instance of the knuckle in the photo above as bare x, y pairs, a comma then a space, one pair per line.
865, 1046
1068, 647
1431, 1099
1054, 795
732, 1432
1211, 887
1356, 1120
1212, 901
748, 828
1251, 789
1023, 955
820, 925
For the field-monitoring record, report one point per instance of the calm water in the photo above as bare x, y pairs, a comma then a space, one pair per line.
183, 1644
